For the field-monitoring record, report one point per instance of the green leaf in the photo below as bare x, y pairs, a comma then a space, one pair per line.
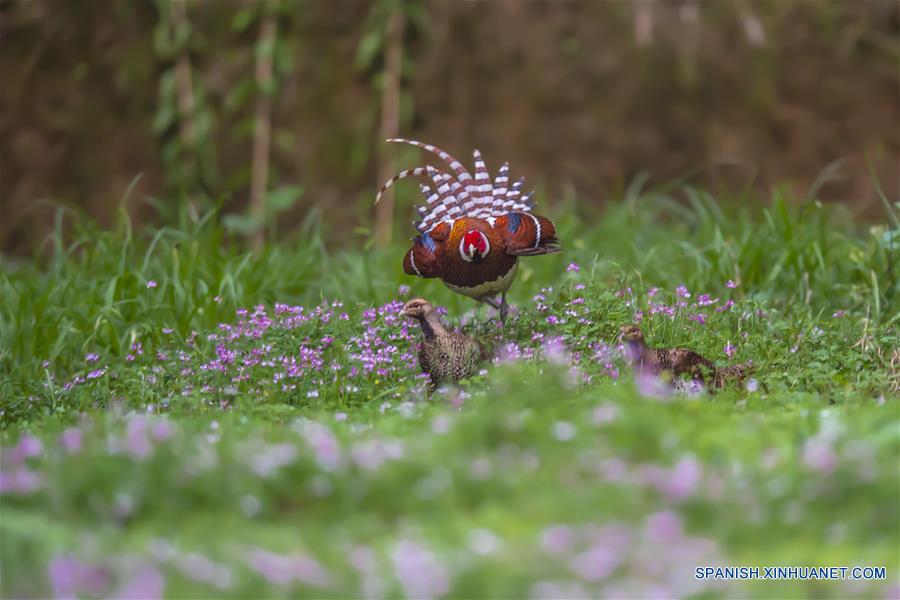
283, 198
164, 117
368, 49
237, 96
241, 224
243, 19
264, 48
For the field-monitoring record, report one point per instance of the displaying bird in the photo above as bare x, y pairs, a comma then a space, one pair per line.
472, 232
445, 355
677, 362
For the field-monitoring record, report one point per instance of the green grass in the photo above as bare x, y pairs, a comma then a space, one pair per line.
262, 441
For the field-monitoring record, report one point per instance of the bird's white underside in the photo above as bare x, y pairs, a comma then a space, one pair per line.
488, 288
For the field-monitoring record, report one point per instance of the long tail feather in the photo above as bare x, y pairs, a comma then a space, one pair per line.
461, 174
526, 200
482, 190
402, 174
512, 202
442, 186
456, 193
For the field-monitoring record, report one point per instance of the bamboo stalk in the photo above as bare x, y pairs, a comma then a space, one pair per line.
390, 122
262, 127
183, 81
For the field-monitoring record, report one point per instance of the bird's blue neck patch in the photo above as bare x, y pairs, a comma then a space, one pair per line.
425, 240
513, 222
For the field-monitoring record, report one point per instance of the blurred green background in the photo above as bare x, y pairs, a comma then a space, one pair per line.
271, 108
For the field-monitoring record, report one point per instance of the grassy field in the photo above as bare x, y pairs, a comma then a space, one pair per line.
182, 419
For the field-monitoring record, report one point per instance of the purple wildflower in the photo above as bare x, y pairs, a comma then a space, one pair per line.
27, 447
613, 469
71, 439
323, 443
726, 307
597, 563
202, 569
605, 413
731, 284
557, 539
838, 314
419, 571
509, 352
272, 457
564, 431
284, 569
91, 357
682, 292
484, 542
684, 478
151, 284
96, 373
700, 318
664, 526
651, 386
555, 350
20, 480
729, 349
69, 577
573, 268
705, 300
146, 583
819, 454
371, 454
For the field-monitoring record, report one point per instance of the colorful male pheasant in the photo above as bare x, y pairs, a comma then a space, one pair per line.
472, 232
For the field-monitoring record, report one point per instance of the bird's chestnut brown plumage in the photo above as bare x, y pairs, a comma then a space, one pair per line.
677, 362
472, 231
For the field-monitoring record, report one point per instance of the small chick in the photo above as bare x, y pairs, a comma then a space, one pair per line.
447, 356
676, 362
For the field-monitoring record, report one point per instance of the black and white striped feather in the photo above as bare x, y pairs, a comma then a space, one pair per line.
456, 193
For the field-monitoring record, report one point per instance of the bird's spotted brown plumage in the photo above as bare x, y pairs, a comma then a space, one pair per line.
445, 355
678, 362
472, 232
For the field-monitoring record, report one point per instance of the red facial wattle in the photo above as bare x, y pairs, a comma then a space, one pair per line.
477, 241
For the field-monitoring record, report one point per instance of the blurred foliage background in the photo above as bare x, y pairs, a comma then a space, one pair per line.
272, 108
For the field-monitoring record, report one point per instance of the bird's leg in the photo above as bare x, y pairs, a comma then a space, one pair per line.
490, 302
504, 308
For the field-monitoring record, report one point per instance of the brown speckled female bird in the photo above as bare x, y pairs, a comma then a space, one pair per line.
677, 362
446, 355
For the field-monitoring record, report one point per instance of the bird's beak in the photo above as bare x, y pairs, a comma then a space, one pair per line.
402, 313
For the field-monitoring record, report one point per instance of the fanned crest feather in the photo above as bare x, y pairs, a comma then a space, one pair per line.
457, 194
